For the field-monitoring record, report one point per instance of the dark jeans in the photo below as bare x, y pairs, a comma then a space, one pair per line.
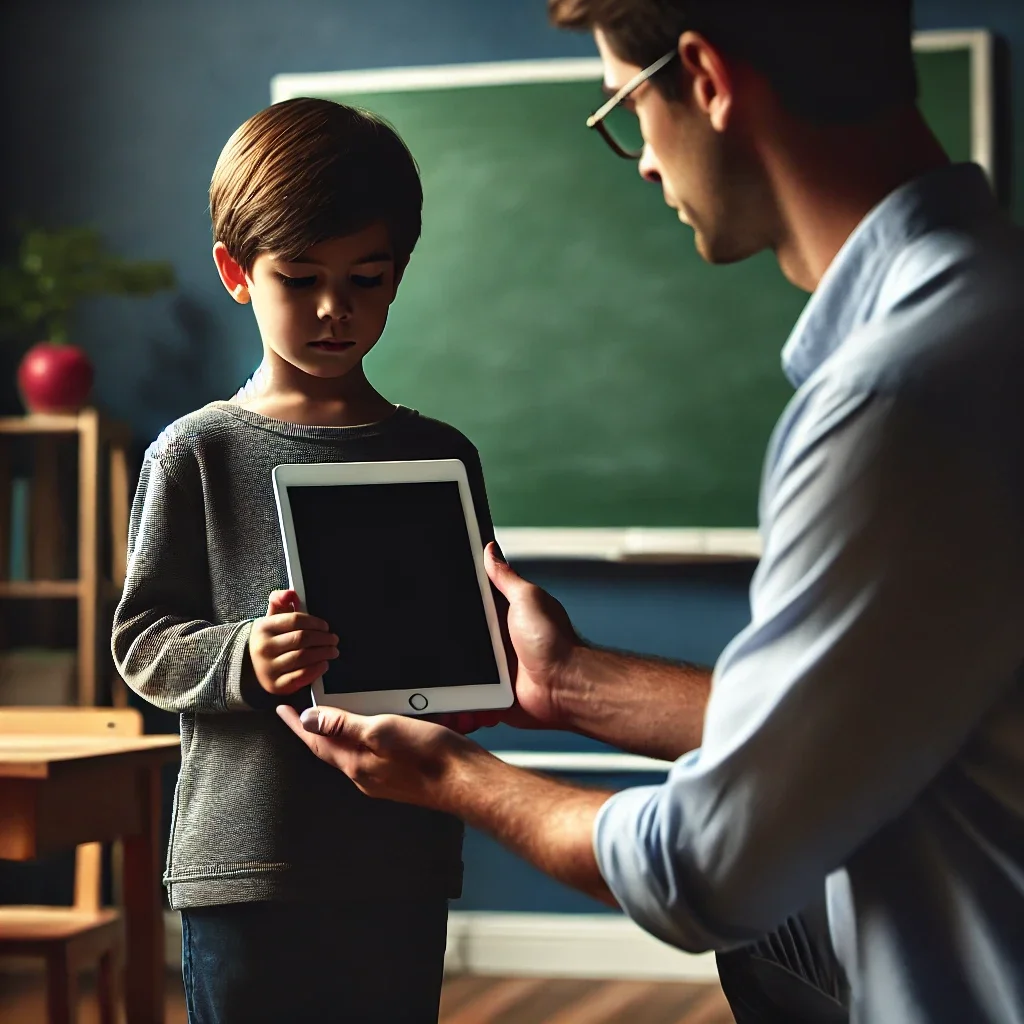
284, 963
789, 977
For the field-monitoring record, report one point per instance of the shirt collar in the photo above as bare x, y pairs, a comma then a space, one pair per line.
847, 296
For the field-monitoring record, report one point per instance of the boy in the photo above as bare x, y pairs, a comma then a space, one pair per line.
301, 900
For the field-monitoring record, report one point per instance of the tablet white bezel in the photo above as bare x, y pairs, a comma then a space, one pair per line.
440, 699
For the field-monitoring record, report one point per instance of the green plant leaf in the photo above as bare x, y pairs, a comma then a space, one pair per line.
56, 270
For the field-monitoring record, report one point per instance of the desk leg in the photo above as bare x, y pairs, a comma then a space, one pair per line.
143, 910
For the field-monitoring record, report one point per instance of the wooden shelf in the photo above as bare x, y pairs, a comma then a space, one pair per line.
39, 424
66, 423
39, 588
103, 452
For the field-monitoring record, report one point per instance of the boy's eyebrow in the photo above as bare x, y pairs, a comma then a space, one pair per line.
380, 256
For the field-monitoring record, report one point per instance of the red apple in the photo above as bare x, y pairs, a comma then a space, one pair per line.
55, 378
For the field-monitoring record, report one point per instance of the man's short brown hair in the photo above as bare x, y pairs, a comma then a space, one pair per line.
828, 60
306, 170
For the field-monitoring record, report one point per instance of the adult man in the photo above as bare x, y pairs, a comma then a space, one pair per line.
868, 727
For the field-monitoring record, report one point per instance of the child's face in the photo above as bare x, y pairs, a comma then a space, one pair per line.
323, 312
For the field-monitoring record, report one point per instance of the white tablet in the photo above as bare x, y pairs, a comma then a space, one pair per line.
389, 555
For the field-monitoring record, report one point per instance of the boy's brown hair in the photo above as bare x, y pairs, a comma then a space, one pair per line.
828, 60
306, 170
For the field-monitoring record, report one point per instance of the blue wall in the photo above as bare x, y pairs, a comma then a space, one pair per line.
123, 105
115, 111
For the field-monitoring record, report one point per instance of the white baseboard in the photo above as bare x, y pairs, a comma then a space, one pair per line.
629, 544
566, 946
545, 945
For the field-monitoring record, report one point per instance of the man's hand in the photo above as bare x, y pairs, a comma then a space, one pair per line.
465, 722
540, 642
289, 649
418, 762
647, 706
543, 642
390, 756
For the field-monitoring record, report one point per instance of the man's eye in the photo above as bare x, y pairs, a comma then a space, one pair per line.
367, 282
297, 282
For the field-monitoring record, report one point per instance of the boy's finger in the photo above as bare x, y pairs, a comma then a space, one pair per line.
282, 601
289, 622
295, 681
291, 661
297, 640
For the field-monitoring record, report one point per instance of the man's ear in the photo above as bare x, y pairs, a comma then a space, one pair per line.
712, 82
232, 276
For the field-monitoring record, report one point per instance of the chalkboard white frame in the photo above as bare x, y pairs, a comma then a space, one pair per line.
630, 544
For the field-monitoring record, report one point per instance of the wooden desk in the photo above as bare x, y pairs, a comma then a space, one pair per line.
58, 791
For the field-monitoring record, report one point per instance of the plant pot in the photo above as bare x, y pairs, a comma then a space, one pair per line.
55, 378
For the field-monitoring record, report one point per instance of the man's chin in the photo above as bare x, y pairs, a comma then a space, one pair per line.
719, 253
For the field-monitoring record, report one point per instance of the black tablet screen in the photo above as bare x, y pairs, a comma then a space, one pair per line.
389, 567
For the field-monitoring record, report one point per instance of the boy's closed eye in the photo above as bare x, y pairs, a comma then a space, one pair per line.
367, 280
359, 280
297, 282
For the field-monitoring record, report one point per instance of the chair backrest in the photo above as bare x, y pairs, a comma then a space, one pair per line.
81, 722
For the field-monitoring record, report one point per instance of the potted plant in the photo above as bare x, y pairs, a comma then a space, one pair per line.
53, 272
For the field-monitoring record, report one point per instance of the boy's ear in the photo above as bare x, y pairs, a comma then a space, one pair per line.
231, 273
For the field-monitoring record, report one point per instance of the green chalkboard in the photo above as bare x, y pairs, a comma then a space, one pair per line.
557, 312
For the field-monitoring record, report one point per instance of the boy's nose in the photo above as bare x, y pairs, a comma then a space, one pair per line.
335, 307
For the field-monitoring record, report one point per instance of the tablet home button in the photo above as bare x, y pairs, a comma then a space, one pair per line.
418, 702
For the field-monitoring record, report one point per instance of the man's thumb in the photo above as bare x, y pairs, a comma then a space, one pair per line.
499, 571
282, 601
331, 722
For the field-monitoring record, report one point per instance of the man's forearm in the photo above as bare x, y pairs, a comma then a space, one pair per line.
547, 823
644, 705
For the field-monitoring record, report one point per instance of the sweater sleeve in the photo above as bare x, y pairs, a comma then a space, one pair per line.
164, 642
471, 460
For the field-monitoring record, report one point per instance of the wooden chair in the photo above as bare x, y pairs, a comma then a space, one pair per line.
71, 938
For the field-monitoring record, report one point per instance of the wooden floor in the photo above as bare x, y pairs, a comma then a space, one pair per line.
466, 1000
551, 1001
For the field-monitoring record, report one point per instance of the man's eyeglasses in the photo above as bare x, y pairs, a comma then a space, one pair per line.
617, 124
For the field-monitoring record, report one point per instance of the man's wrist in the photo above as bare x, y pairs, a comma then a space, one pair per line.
571, 686
545, 821
469, 777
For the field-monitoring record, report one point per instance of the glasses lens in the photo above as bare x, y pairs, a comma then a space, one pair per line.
624, 128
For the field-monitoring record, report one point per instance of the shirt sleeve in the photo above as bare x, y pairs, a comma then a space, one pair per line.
164, 643
886, 620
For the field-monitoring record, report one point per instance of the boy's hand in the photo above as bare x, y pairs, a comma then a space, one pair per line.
289, 649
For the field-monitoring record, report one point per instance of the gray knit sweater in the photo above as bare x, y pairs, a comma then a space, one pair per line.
256, 816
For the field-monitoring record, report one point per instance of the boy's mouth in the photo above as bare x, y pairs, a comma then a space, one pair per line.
332, 346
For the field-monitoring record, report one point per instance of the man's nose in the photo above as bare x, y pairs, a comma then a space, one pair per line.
648, 167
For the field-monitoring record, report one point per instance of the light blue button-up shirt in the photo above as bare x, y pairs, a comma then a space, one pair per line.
866, 731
